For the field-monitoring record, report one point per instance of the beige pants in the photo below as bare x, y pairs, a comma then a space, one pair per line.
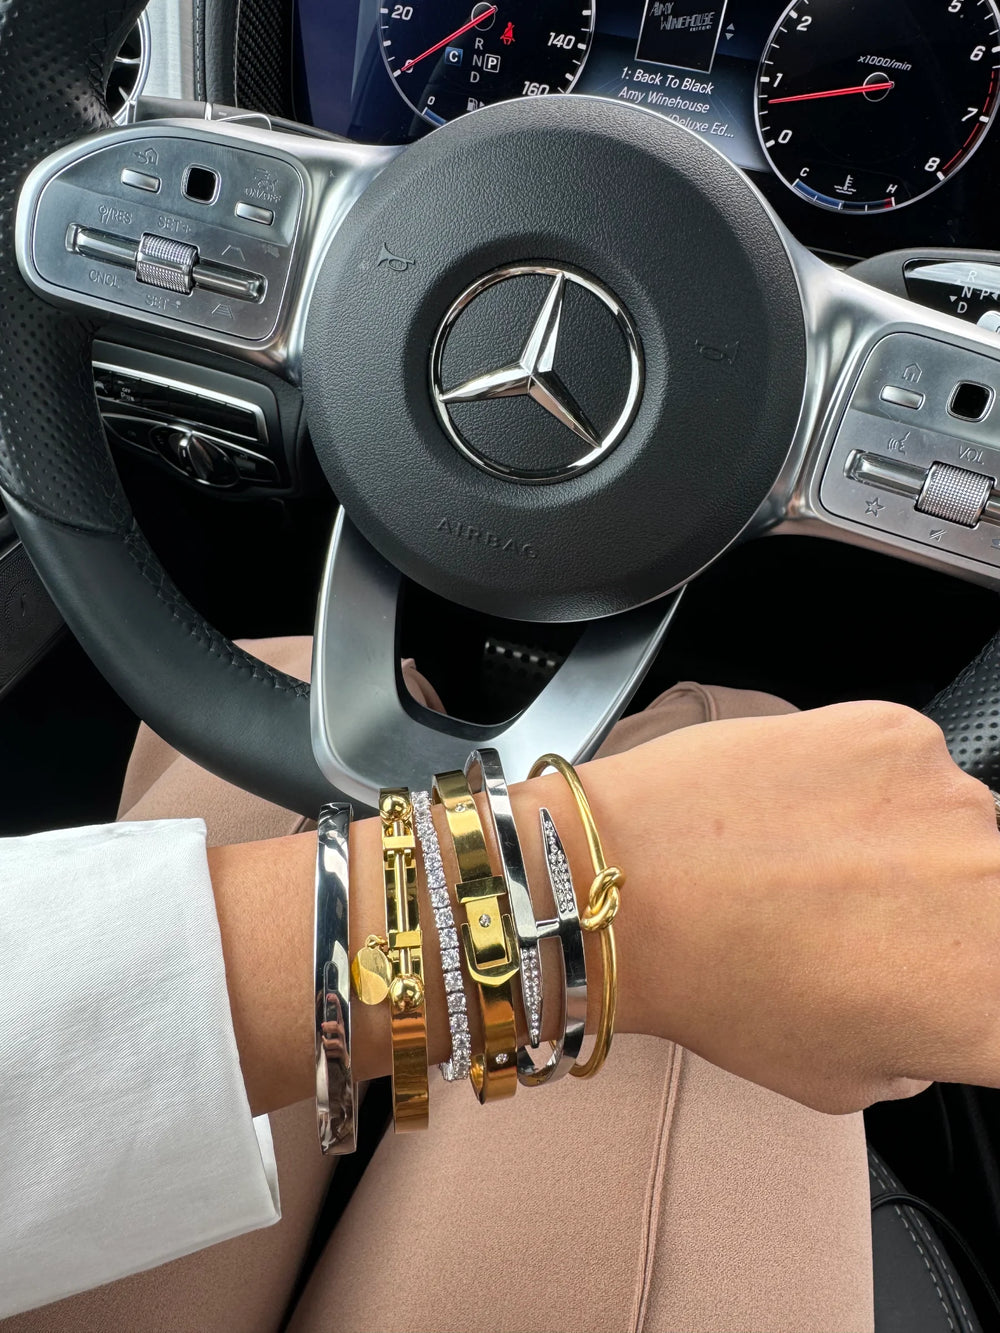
664, 1195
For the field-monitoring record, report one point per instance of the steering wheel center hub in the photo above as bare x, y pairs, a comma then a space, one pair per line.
565, 374
559, 291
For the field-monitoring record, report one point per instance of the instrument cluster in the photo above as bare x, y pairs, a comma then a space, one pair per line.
845, 112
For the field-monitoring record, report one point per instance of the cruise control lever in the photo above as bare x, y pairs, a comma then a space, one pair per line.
940, 491
160, 261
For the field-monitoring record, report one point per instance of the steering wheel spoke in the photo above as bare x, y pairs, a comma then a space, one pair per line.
209, 231
896, 446
365, 725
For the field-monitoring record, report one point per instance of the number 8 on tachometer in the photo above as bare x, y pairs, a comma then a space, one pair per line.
867, 107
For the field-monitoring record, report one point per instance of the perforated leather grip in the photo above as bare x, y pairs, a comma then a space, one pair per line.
55, 56
968, 712
240, 719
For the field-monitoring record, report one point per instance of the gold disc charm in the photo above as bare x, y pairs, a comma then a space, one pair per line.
371, 972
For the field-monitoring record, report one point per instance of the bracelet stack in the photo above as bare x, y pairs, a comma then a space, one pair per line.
491, 942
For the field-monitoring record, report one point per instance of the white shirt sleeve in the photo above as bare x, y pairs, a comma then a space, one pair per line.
126, 1138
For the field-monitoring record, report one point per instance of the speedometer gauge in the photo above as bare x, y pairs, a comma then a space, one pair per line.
447, 57
865, 106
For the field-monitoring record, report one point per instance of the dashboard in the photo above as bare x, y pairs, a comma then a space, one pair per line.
869, 126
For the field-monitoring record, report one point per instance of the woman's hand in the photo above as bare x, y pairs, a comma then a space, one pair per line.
813, 902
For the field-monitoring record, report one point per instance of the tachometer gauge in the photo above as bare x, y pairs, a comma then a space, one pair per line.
865, 106
447, 57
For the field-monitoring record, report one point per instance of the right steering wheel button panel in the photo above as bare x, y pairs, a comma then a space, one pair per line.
906, 462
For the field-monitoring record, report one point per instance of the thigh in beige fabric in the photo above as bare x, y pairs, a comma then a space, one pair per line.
688, 705
162, 784
664, 1195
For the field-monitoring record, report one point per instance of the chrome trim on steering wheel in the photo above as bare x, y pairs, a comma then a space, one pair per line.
848, 324
86, 185
365, 725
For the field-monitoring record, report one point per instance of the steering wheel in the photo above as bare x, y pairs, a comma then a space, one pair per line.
544, 401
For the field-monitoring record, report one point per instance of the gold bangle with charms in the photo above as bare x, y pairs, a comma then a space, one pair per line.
390, 967
489, 941
602, 908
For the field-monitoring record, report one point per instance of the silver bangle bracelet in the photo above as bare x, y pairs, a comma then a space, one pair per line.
484, 772
336, 1119
458, 1067
566, 928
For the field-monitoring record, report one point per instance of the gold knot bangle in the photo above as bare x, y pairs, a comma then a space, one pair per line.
603, 902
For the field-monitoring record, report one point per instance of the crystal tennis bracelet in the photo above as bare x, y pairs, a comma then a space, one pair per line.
458, 1067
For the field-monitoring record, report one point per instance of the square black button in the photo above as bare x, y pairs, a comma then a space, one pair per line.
201, 185
971, 402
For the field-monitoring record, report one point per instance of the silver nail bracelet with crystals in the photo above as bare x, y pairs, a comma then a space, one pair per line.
567, 929
458, 1067
484, 772
336, 1119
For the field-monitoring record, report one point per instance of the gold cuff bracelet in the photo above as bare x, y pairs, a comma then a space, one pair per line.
391, 966
489, 942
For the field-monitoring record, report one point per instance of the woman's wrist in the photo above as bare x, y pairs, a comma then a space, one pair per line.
264, 895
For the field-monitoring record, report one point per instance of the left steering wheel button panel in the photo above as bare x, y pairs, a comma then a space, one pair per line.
138, 241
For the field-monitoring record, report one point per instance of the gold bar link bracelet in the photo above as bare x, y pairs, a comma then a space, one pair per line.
391, 967
489, 941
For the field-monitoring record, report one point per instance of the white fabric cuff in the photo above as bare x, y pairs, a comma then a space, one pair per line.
126, 1138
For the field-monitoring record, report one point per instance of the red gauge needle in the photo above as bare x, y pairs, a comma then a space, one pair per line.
459, 32
885, 87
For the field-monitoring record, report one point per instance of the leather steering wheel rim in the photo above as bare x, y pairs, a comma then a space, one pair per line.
195, 688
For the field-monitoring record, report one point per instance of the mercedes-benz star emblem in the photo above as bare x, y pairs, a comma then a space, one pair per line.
535, 375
